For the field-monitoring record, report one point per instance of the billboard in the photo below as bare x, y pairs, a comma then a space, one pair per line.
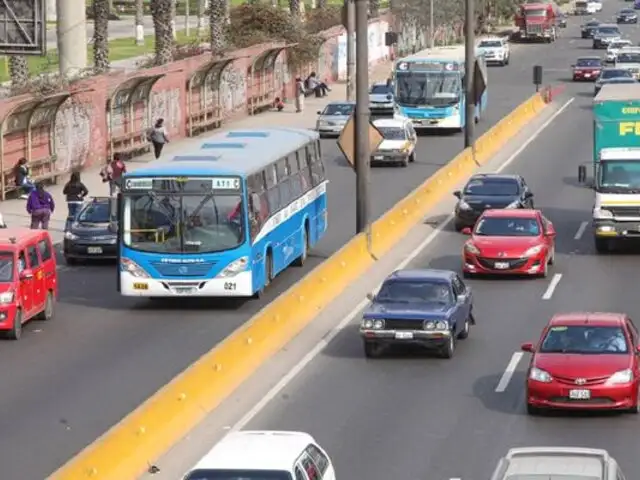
23, 27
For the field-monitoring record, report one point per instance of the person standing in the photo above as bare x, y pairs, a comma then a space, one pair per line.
74, 191
40, 206
112, 173
300, 91
21, 176
158, 136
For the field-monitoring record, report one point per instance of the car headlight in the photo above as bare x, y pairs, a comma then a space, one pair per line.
540, 375
462, 205
234, 268
533, 251
70, 236
514, 204
378, 324
367, 324
600, 213
623, 376
429, 325
128, 265
471, 248
322, 123
6, 298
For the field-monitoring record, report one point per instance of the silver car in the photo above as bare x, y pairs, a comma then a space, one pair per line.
381, 98
333, 118
557, 462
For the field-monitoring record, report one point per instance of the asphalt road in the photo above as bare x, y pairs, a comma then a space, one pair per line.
66, 383
411, 416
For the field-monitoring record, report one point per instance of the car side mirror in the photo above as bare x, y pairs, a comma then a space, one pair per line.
319, 112
638, 350
26, 274
466, 231
551, 232
457, 194
528, 195
370, 297
462, 297
527, 347
573, 66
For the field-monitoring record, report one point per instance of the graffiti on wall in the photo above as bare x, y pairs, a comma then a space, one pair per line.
166, 104
233, 91
73, 135
281, 75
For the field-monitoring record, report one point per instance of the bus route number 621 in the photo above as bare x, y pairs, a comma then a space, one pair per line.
229, 285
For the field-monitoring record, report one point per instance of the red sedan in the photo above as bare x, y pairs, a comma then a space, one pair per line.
587, 68
585, 361
516, 242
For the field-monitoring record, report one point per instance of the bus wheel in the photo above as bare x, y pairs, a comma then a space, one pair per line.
299, 262
268, 275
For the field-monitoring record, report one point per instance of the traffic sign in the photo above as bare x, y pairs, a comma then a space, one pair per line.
347, 140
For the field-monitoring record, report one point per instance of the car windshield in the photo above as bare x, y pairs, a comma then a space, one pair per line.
415, 291
211, 474
584, 339
427, 88
344, 109
606, 74
507, 227
535, 12
619, 176
497, 187
393, 133
628, 57
588, 62
618, 80
627, 11
96, 212
490, 44
380, 89
546, 476
6, 267
189, 223
618, 45
608, 31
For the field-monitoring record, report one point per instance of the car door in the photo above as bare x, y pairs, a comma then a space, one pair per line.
463, 302
48, 260
635, 341
39, 291
26, 286
549, 234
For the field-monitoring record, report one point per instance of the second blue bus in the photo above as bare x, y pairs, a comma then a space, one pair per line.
224, 219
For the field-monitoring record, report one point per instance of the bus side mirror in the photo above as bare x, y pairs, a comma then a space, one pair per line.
582, 173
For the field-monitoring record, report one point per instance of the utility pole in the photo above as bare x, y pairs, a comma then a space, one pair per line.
362, 117
351, 48
187, 14
432, 34
469, 66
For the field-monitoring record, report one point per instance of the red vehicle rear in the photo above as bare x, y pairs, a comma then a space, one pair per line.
28, 279
537, 21
509, 241
587, 68
585, 361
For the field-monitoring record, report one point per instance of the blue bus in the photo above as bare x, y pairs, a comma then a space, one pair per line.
224, 219
429, 87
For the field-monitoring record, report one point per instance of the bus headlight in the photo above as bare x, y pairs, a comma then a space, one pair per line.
235, 267
128, 265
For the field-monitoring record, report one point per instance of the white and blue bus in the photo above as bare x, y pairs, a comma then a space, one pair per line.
429, 88
222, 220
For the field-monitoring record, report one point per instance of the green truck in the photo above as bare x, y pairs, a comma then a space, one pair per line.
616, 165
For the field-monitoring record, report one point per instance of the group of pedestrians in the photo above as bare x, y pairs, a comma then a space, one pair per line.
40, 204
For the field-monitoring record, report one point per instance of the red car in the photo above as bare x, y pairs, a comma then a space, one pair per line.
587, 68
585, 361
516, 242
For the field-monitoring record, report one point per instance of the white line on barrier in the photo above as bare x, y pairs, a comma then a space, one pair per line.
581, 229
508, 372
322, 344
552, 286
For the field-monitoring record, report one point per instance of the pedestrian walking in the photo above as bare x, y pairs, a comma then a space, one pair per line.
21, 176
300, 91
74, 191
40, 206
158, 136
112, 173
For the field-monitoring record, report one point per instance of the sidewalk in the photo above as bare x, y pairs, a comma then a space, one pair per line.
14, 211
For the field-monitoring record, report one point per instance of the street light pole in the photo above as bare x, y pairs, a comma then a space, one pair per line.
469, 66
351, 48
362, 117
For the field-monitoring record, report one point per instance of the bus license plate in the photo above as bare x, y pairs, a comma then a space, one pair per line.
184, 290
579, 394
378, 157
94, 250
404, 335
501, 265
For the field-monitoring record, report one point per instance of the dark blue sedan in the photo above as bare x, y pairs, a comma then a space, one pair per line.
429, 308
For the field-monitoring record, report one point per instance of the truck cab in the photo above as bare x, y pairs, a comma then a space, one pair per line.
537, 22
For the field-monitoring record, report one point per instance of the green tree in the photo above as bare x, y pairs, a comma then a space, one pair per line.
218, 14
161, 13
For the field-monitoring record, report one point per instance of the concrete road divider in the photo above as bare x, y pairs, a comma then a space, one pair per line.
129, 448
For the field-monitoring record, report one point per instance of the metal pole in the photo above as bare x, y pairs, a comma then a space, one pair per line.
351, 49
187, 14
362, 117
431, 27
469, 66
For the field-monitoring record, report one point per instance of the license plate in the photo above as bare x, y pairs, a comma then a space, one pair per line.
378, 157
501, 265
404, 335
579, 394
141, 286
94, 250
587, 75
184, 290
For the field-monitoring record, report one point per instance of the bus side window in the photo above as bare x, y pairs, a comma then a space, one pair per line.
285, 189
294, 176
305, 169
317, 168
256, 216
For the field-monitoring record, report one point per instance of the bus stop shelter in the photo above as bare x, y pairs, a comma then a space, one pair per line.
262, 87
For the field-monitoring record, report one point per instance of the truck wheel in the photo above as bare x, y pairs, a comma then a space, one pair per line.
602, 245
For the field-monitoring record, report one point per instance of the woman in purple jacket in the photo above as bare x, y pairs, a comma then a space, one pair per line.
40, 206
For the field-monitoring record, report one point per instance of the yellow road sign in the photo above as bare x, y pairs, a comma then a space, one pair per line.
347, 140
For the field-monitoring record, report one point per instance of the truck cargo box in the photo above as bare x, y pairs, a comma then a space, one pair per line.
616, 117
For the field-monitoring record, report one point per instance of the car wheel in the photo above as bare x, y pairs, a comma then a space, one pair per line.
636, 408
458, 226
552, 257
372, 350
49, 308
405, 162
70, 261
602, 245
545, 270
449, 349
467, 275
532, 410
412, 158
16, 330
465, 329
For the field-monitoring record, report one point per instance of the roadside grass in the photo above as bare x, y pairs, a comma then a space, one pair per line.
119, 49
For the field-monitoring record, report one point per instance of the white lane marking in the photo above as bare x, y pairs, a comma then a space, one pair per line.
508, 372
581, 229
322, 344
552, 286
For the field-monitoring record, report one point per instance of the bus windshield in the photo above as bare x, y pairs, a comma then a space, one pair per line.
428, 88
183, 223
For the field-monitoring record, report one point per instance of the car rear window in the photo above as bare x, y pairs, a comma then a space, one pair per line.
588, 62
507, 187
211, 474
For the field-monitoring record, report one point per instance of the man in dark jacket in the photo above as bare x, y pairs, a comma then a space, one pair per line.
21, 176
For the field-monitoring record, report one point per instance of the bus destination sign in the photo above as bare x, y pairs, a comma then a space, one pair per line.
184, 184
428, 66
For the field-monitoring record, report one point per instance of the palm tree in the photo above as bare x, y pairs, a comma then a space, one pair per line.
101, 35
374, 8
161, 13
139, 22
202, 9
294, 7
322, 4
19, 71
218, 15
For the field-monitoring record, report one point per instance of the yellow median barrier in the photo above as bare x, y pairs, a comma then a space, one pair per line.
126, 450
